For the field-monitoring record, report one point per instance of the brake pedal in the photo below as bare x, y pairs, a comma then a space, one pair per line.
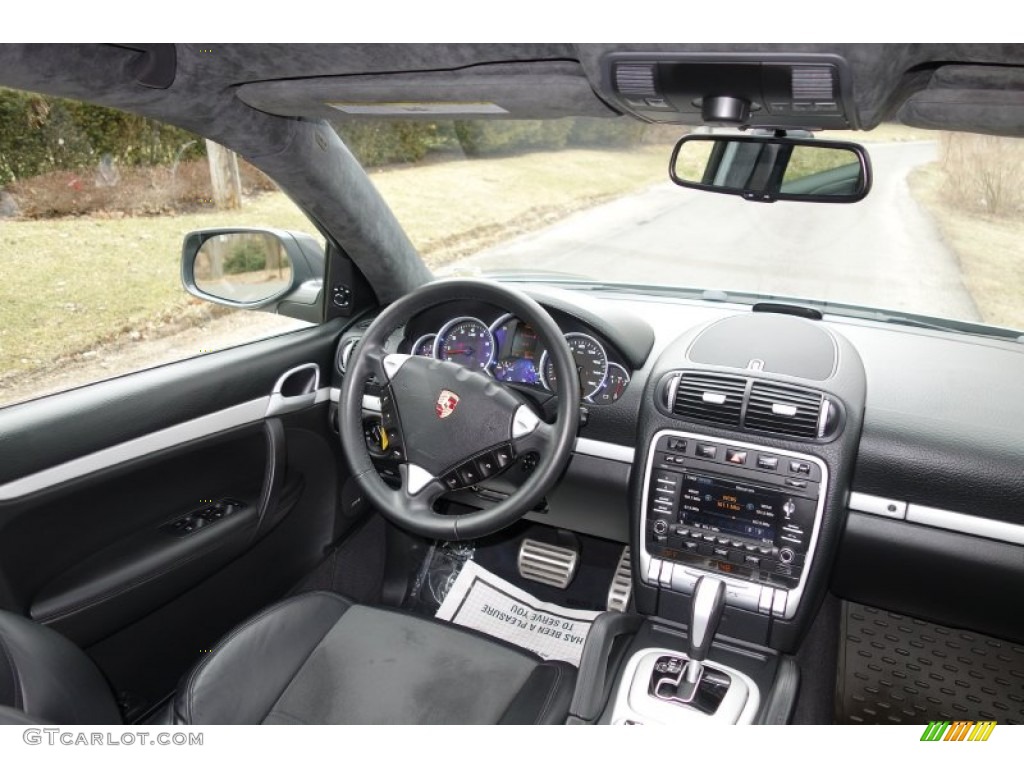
547, 563
621, 590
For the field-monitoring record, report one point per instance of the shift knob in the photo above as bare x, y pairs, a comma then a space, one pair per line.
705, 613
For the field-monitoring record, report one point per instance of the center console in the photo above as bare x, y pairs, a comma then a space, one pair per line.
747, 513
746, 447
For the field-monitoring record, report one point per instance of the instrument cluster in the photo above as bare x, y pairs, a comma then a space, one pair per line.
511, 351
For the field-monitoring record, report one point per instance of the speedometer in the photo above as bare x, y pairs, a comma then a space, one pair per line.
466, 341
591, 364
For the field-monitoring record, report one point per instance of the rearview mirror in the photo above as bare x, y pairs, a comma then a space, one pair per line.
270, 270
769, 168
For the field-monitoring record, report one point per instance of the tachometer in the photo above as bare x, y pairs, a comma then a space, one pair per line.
466, 341
591, 364
614, 385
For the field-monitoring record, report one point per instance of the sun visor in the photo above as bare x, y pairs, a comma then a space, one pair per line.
522, 90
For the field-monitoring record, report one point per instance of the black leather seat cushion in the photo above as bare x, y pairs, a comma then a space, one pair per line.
317, 658
49, 678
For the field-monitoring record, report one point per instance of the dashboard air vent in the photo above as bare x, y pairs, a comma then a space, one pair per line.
345, 352
786, 410
718, 399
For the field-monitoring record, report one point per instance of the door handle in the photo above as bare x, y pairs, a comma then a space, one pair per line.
295, 390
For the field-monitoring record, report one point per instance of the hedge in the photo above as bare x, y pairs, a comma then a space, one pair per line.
41, 135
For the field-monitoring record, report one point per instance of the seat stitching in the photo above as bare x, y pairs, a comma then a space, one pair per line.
551, 694
234, 633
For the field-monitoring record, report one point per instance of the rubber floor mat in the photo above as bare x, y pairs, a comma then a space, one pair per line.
894, 669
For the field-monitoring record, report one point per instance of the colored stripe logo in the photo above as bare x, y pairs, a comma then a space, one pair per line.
958, 730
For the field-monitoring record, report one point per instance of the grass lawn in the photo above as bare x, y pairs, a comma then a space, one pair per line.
72, 285
988, 249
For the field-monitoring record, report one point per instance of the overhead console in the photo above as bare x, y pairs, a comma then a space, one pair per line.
749, 434
811, 91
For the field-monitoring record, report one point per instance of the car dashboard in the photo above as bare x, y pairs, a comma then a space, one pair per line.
791, 457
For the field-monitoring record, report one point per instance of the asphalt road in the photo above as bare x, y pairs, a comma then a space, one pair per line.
882, 252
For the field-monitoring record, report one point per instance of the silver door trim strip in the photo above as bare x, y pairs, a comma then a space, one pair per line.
194, 429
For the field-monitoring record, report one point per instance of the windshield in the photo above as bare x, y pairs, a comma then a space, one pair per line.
590, 199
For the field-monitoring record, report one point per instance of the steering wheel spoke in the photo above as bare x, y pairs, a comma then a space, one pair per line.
530, 433
420, 489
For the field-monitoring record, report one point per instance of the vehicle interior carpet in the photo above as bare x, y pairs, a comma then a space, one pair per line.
896, 669
354, 568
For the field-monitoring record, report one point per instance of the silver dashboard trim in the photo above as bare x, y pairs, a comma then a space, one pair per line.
739, 585
877, 505
934, 517
603, 450
985, 527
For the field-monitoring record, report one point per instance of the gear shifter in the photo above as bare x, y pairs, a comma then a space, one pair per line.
684, 681
705, 613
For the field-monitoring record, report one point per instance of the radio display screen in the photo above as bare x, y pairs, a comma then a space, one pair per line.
730, 508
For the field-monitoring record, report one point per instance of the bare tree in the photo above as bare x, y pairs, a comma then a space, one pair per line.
224, 176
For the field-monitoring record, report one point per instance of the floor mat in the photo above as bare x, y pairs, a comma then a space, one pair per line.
894, 669
480, 600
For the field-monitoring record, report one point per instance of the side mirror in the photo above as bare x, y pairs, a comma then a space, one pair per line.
768, 168
269, 270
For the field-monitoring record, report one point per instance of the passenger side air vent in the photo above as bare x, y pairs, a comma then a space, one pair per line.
786, 410
708, 397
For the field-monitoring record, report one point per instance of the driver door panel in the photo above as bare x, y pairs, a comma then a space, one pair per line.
94, 484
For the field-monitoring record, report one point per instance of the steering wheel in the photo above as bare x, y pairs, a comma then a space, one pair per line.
451, 427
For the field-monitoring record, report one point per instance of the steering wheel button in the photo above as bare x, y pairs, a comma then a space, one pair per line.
487, 465
451, 481
468, 474
503, 456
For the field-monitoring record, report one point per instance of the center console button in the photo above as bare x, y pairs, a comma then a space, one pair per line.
654, 571
706, 451
736, 456
683, 579
665, 579
779, 602
743, 595
768, 462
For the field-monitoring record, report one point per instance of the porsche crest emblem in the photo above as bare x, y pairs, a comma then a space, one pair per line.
447, 401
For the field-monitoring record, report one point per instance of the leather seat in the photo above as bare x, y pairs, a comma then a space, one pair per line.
317, 658
314, 658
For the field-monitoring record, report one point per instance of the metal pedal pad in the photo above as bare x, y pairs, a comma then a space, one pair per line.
547, 563
621, 590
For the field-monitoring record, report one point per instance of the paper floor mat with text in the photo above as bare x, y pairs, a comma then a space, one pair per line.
482, 601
